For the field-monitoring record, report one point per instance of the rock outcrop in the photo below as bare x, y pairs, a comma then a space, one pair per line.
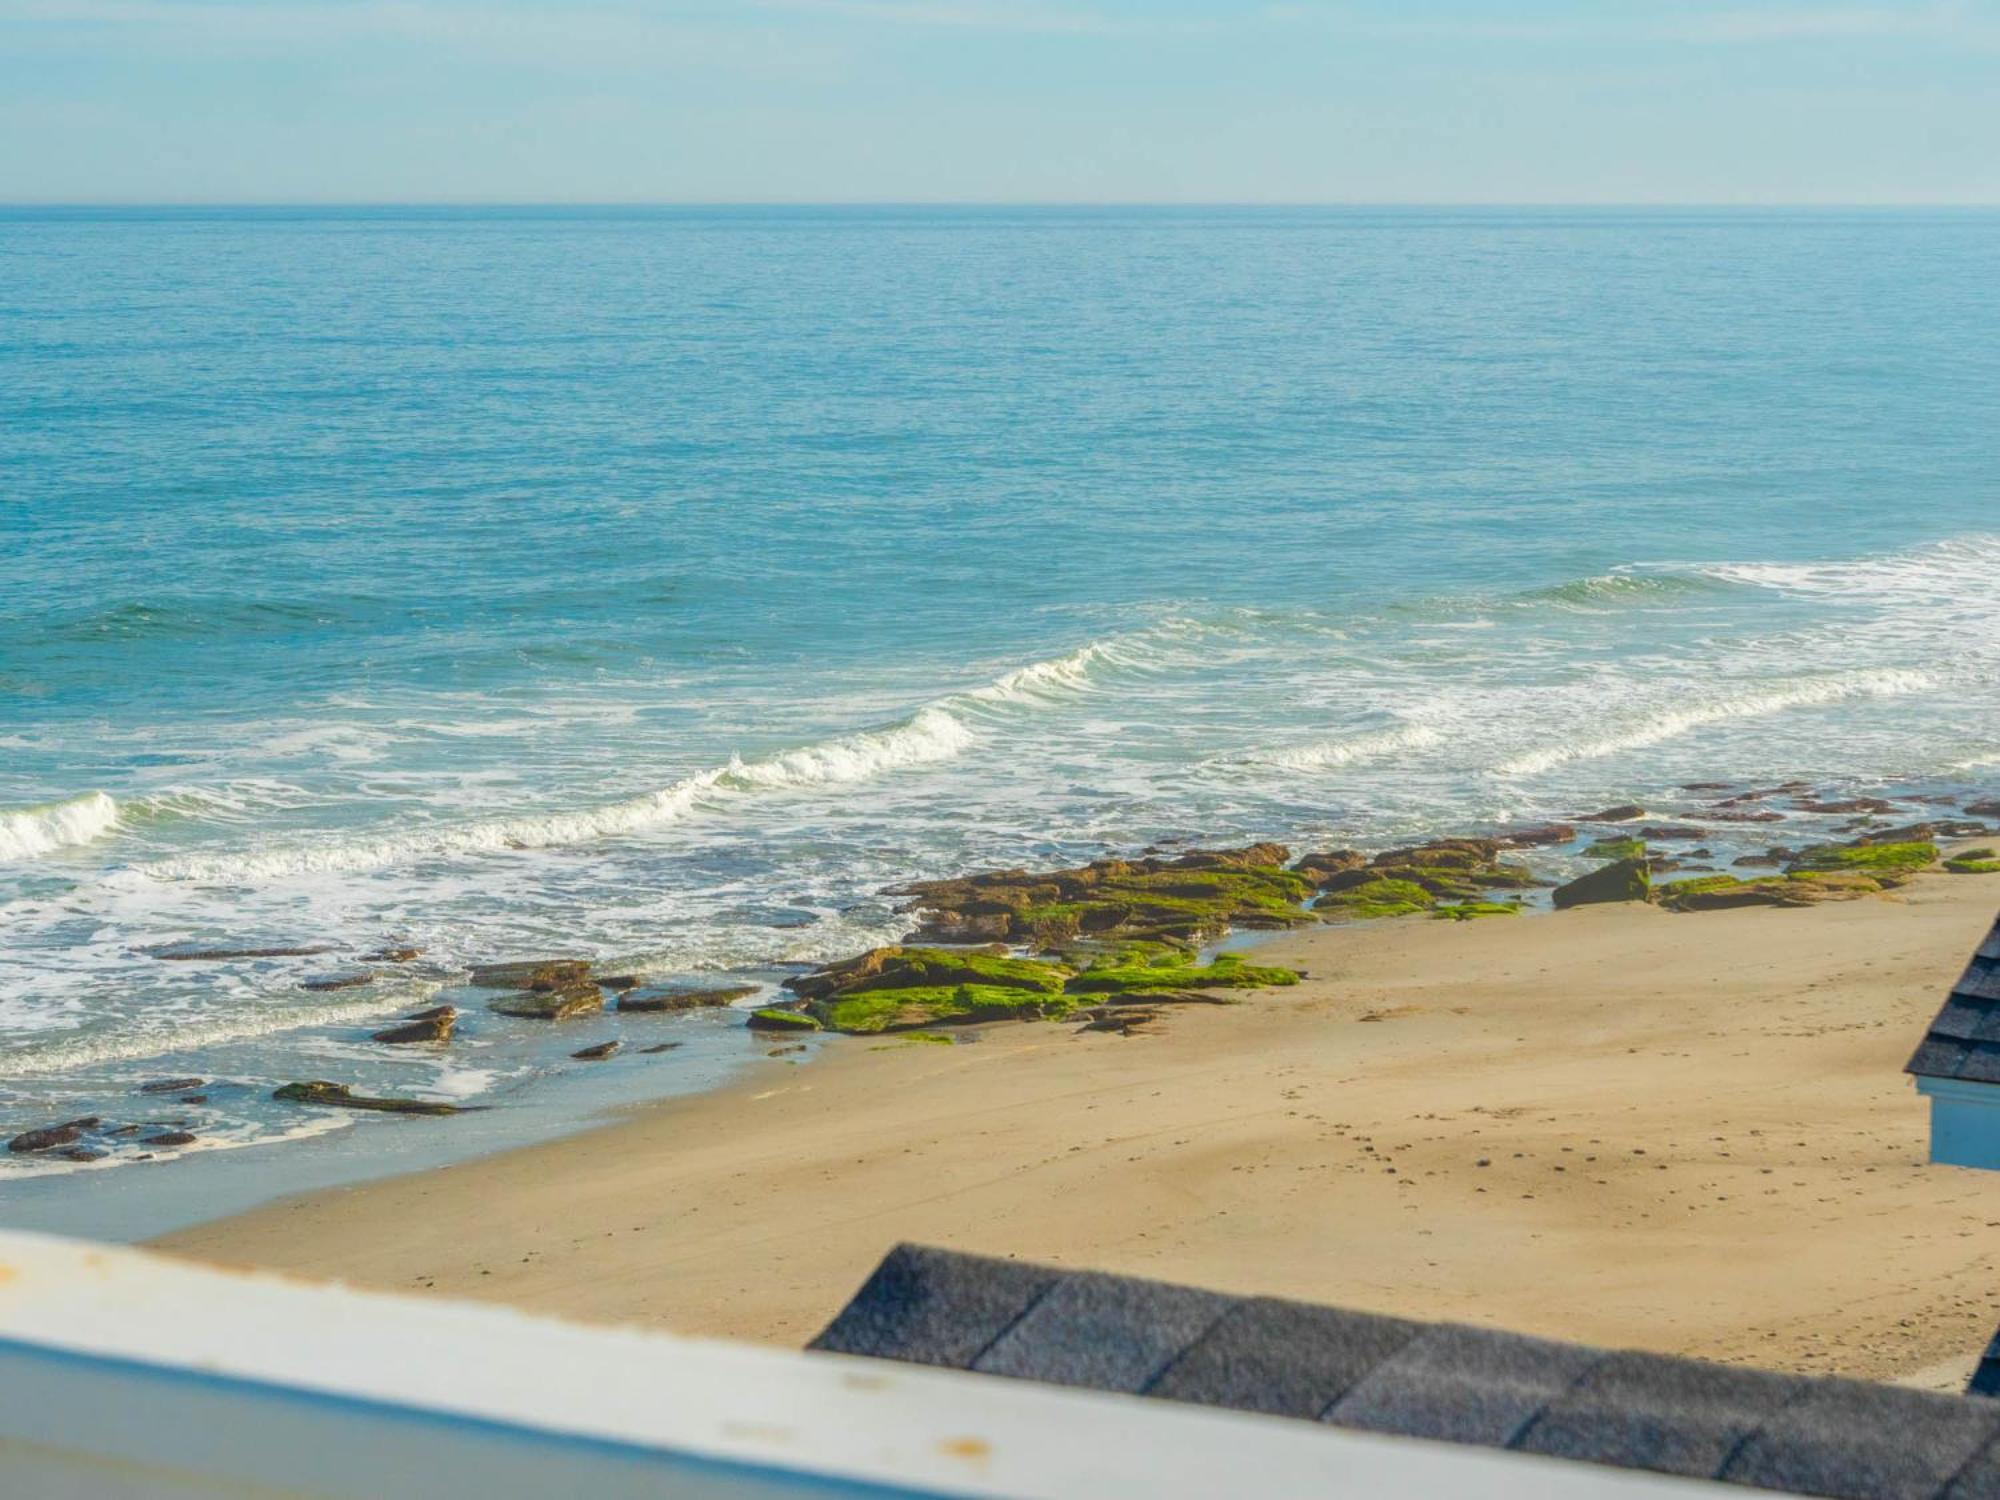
432, 1026
1198, 895
340, 1096
668, 997
1622, 880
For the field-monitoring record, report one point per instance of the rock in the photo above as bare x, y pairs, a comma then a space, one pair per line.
434, 1013
194, 1098
1672, 833
51, 1136
1731, 815
620, 981
1199, 895
662, 997
1120, 1022
774, 1018
1726, 892
1625, 812
552, 1005
352, 979
170, 1138
340, 1096
1888, 863
190, 952
1974, 862
660, 1047
1989, 808
1706, 786
1618, 848
81, 1153
543, 975
898, 967
1315, 867
600, 1051
1751, 860
1851, 805
170, 1085
1624, 880
434, 1027
1538, 834
393, 956
1374, 898
1471, 911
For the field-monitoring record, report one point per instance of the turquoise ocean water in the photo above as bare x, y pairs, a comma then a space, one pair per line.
664, 584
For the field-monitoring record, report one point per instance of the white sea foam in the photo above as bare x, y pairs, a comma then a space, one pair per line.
69, 1053
1326, 755
1040, 683
936, 732
931, 734
1672, 723
28, 831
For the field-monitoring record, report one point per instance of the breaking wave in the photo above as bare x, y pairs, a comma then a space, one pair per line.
68, 1053
1884, 683
1329, 754
930, 734
28, 831
936, 732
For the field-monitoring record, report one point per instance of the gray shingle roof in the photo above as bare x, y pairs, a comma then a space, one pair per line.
1964, 1039
1445, 1381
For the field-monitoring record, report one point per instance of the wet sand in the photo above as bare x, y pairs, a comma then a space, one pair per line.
1682, 1133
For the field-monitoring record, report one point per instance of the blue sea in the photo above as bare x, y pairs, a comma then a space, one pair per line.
662, 585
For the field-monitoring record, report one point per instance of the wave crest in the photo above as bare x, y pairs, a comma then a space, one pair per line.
1881, 683
28, 831
68, 1053
1329, 754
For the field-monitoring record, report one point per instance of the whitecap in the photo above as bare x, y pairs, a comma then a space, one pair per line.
1672, 723
28, 831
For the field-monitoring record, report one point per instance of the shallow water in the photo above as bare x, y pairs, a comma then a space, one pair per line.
664, 584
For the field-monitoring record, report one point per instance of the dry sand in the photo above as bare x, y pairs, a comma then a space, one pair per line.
1682, 1133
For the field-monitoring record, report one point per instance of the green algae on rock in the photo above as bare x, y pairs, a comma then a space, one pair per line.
1623, 880
1896, 861
1472, 911
1618, 848
1974, 862
1228, 971
864, 1012
1198, 895
1402, 882
777, 1018
1379, 897
340, 1096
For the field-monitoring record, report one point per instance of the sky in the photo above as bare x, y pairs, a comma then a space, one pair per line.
970, 101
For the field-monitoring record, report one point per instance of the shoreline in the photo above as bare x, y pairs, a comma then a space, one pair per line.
1701, 1147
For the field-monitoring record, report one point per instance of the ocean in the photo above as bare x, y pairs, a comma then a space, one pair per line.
663, 584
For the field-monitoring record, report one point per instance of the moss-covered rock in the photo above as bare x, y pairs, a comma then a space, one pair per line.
1974, 862
1868, 858
924, 968
865, 1012
1472, 911
777, 1018
340, 1096
1618, 848
1199, 895
1380, 897
1623, 880
1228, 971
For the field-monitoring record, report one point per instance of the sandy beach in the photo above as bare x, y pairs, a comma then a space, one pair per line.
1685, 1133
